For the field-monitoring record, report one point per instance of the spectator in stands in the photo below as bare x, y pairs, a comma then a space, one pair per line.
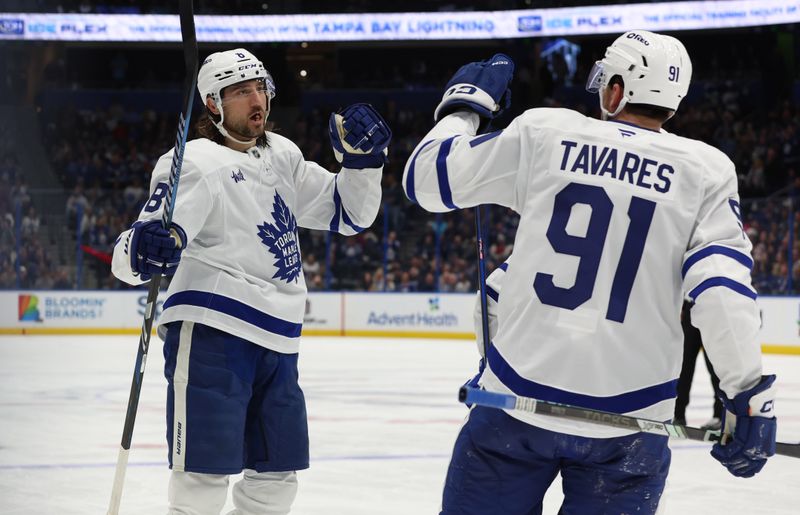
76, 202
111, 149
428, 283
311, 266
378, 281
30, 223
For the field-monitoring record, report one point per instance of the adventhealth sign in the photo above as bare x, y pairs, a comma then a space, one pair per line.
601, 19
408, 314
418, 320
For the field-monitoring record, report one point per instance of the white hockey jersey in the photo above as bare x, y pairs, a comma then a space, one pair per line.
617, 225
241, 271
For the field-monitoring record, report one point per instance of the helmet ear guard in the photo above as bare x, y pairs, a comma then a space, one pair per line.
655, 70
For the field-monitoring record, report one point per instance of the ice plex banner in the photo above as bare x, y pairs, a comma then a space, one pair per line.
601, 19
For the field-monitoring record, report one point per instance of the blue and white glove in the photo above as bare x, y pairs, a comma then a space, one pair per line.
748, 430
482, 87
360, 137
154, 250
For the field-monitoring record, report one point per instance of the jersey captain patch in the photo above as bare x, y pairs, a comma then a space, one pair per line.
281, 240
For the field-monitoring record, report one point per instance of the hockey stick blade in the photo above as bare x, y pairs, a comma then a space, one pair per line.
191, 63
496, 400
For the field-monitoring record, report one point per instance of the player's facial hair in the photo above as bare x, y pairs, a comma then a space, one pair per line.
242, 126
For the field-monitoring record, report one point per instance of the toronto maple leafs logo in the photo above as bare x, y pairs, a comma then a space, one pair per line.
281, 239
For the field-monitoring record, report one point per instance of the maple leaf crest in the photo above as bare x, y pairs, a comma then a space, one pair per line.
281, 240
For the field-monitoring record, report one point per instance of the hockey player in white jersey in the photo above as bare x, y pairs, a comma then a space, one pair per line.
619, 220
235, 306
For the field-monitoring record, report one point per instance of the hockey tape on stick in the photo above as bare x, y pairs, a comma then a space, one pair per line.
191, 63
480, 397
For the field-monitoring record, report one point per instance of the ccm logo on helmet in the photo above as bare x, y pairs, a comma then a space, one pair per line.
247, 66
638, 38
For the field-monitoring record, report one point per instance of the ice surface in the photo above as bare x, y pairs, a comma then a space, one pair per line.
383, 418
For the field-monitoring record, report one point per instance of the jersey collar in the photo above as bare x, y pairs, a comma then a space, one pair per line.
633, 125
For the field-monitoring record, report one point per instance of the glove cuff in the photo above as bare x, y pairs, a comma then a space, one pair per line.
360, 161
758, 401
132, 243
178, 234
469, 96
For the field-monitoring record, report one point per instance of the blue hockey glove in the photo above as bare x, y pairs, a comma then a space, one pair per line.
748, 430
154, 250
360, 137
482, 87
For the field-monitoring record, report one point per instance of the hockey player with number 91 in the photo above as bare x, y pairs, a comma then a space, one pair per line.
619, 220
235, 306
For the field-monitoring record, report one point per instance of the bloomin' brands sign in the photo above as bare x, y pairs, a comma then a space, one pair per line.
42, 308
46, 309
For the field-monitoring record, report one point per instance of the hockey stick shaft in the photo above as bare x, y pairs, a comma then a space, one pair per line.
191, 63
527, 404
482, 279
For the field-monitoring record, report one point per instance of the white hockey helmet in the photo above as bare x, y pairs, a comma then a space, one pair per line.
655, 68
223, 69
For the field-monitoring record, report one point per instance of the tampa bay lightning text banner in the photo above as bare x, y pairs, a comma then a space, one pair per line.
664, 16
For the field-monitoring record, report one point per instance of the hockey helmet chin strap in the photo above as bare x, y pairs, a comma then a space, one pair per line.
605, 113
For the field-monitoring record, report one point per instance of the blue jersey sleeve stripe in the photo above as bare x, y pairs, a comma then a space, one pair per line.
741, 257
340, 211
337, 206
410, 191
504, 266
349, 222
622, 403
441, 173
484, 138
725, 282
492, 293
236, 309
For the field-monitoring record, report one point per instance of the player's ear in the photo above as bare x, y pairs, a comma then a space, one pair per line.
619, 92
615, 93
212, 106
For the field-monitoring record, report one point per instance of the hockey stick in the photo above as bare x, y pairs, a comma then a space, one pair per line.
469, 395
482, 283
191, 63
